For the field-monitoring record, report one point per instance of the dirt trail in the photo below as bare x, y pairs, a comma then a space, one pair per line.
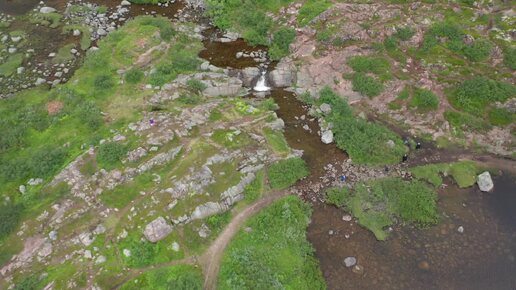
211, 259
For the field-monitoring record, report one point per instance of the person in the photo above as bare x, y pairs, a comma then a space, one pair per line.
406, 141
418, 145
343, 178
151, 121
405, 158
386, 169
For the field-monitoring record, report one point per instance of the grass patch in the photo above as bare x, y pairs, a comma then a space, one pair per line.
110, 154
230, 138
255, 189
312, 9
122, 195
285, 173
276, 140
500, 117
182, 277
463, 173
366, 85
464, 121
367, 64
424, 100
275, 253
365, 142
11, 64
475, 95
378, 203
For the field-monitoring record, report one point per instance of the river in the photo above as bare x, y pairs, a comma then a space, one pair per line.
439, 257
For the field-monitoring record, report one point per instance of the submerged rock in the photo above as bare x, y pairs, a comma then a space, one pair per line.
46, 10
484, 181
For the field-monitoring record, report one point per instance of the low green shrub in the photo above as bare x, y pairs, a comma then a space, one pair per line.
134, 76
366, 85
509, 58
404, 33
47, 160
337, 196
463, 173
219, 221
365, 142
475, 95
109, 154
465, 121
285, 173
501, 117
366, 64
195, 86
255, 189
478, 51
103, 82
281, 42
10, 215
424, 100
311, 9
275, 253
379, 202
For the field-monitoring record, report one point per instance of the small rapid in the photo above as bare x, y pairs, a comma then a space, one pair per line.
261, 84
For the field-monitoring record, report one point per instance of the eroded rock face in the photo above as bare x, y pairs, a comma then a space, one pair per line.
284, 75
484, 181
157, 230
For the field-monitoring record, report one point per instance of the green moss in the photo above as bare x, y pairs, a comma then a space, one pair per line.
285, 173
275, 253
501, 117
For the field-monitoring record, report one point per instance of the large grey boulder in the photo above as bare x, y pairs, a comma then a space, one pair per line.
248, 75
284, 75
157, 230
206, 210
484, 181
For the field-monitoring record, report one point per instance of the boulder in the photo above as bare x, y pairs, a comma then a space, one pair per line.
46, 10
484, 181
284, 75
327, 137
350, 261
248, 75
206, 210
157, 230
125, 3
277, 124
325, 108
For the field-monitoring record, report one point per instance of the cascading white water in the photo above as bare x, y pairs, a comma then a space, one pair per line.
261, 84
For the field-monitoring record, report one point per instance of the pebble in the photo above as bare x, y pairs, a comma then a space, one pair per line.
460, 229
347, 218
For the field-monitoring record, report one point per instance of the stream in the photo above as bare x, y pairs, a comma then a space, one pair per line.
439, 257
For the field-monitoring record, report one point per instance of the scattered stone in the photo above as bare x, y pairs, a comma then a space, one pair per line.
350, 261
125, 3
347, 218
35, 181
485, 182
76, 32
175, 247
101, 32
22, 189
460, 229
100, 229
12, 50
87, 254
357, 269
423, 265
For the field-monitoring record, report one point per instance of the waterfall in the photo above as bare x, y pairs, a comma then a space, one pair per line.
261, 84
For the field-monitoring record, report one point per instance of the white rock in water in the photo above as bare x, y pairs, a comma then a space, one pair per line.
76, 32
125, 3
327, 137
350, 261
46, 10
484, 181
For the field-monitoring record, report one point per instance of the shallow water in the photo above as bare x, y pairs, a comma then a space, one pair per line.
439, 257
